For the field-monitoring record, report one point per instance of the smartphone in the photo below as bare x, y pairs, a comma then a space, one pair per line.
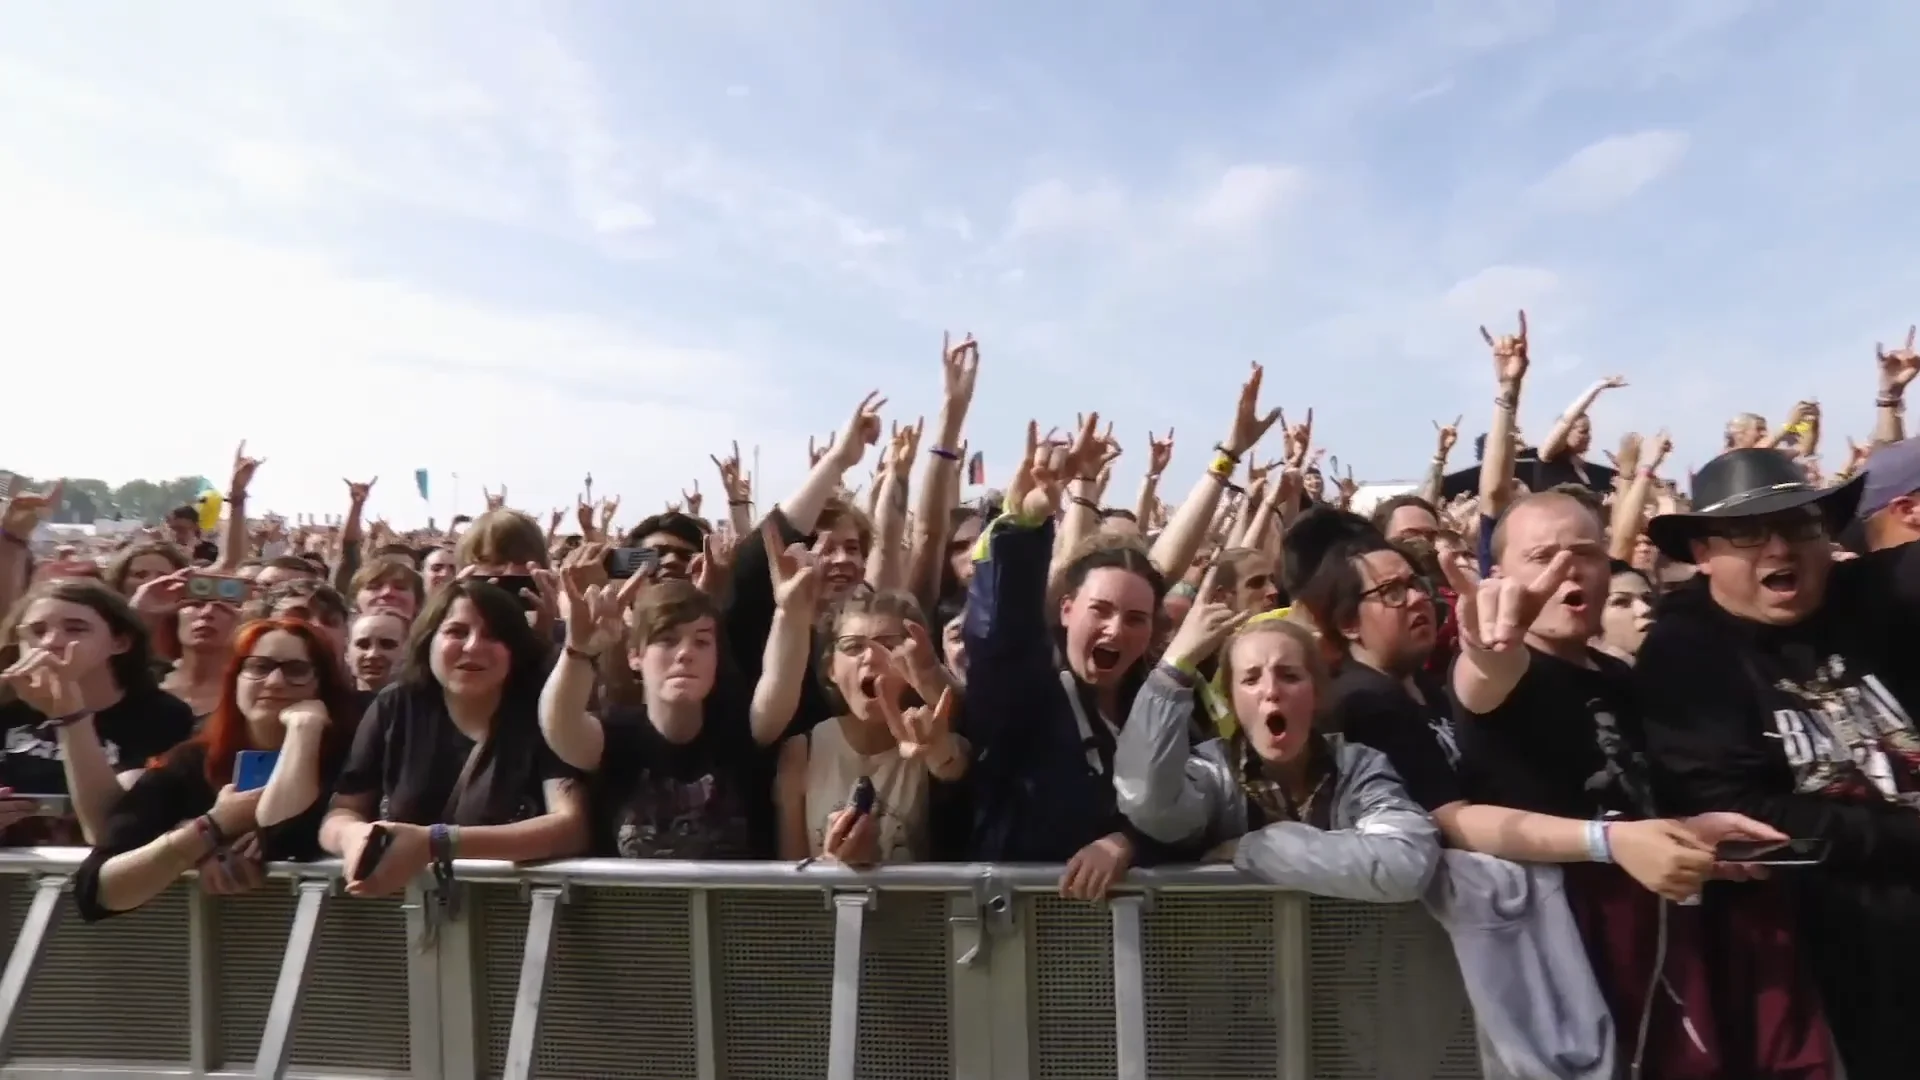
47, 806
378, 841
862, 797
1808, 852
251, 768
513, 583
632, 562
224, 588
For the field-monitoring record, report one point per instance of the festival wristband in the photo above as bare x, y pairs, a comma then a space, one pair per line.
1599, 849
943, 452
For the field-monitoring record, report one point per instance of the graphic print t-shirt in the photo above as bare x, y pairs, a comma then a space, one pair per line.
1568, 742
140, 726
665, 800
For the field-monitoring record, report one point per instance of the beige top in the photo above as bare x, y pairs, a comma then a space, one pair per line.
900, 789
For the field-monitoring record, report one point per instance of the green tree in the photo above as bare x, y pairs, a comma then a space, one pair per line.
84, 500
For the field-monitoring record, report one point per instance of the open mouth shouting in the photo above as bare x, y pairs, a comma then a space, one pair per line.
1104, 660
1781, 583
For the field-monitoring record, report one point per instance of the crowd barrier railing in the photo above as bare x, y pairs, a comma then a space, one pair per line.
601, 968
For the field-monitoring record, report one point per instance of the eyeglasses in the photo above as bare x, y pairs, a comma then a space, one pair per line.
1399, 592
855, 644
1755, 532
258, 668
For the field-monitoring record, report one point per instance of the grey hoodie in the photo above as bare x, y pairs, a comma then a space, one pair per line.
1382, 847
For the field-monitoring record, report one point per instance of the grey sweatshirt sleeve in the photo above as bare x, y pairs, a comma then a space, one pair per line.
1162, 787
1384, 854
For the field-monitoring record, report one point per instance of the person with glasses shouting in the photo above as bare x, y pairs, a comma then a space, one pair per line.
1782, 684
285, 703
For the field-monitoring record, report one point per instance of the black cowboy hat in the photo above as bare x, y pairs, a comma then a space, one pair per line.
1747, 484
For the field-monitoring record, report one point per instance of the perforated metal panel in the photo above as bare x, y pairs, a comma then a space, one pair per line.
1213, 1005
619, 996
773, 971
499, 938
354, 1015
904, 999
112, 991
1071, 967
1387, 1002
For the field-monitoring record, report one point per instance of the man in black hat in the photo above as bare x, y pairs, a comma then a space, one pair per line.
1781, 684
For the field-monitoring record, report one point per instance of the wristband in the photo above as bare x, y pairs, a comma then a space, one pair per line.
1599, 847
579, 654
440, 844
209, 828
739, 502
1082, 500
1181, 673
1223, 465
68, 720
1504, 402
943, 452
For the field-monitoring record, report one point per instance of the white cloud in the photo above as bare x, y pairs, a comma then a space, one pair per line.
1497, 292
274, 171
1610, 171
1054, 206
1247, 196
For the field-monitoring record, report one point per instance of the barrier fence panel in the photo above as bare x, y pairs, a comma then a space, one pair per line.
602, 969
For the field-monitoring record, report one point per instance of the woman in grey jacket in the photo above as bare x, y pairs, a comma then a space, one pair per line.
1297, 807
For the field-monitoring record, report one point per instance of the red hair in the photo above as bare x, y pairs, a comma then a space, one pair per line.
225, 732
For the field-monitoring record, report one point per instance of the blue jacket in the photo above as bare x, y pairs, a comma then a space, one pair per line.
1037, 796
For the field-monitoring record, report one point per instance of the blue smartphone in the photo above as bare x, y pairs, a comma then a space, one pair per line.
251, 768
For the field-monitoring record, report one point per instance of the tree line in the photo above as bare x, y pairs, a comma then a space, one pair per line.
84, 500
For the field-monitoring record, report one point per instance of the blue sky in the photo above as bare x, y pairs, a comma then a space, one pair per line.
524, 241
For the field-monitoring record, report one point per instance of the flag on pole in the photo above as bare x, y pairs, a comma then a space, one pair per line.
977, 468
420, 481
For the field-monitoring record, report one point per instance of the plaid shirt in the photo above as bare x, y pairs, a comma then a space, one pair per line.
1267, 801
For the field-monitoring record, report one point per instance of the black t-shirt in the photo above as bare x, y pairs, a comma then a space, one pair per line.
664, 800
408, 753
1372, 709
1567, 742
142, 725
176, 791
1561, 470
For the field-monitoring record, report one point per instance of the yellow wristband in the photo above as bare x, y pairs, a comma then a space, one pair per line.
1223, 466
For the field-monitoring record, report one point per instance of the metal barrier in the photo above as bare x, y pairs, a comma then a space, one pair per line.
605, 968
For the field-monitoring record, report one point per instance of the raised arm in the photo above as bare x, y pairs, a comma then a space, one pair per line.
1159, 456
802, 508
1630, 506
593, 615
1180, 541
295, 785
1556, 443
940, 482
233, 546
887, 567
1158, 784
1434, 487
1496, 464
785, 664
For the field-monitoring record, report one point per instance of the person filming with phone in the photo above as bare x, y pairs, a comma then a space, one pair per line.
248, 788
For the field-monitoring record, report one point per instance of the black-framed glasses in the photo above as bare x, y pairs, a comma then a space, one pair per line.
258, 668
1399, 592
1755, 532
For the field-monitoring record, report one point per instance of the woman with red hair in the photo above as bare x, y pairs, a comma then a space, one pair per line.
283, 692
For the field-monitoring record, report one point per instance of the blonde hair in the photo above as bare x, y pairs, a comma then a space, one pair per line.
1310, 651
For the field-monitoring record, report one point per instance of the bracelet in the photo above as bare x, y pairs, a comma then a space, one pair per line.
1231, 486
1224, 465
581, 654
739, 502
1504, 402
1184, 675
1889, 401
12, 539
1082, 500
1221, 449
943, 452
209, 828
1599, 849
58, 722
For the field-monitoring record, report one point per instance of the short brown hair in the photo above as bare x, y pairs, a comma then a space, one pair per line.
1498, 546
667, 605
839, 511
389, 568
500, 537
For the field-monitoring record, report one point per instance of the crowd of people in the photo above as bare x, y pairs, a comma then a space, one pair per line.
1647, 755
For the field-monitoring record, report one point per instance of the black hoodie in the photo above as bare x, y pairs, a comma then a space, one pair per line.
1809, 728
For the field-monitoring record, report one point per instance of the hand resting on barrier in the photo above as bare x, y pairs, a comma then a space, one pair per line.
406, 857
236, 868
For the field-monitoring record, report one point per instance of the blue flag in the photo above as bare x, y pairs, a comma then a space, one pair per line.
420, 481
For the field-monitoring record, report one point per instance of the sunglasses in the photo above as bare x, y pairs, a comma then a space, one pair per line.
258, 668
1755, 532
